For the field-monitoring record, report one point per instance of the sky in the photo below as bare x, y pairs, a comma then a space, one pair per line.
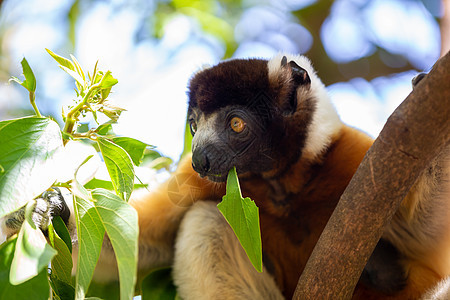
153, 74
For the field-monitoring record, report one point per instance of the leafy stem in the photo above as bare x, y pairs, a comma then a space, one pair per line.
72, 115
33, 103
29, 83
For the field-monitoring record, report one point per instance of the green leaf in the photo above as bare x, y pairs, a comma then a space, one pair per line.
30, 81
107, 185
64, 62
134, 148
90, 233
98, 183
62, 231
120, 167
62, 262
105, 93
63, 290
107, 291
121, 224
158, 285
106, 128
108, 81
243, 217
74, 75
31, 256
160, 162
153, 159
35, 288
78, 67
82, 128
28, 154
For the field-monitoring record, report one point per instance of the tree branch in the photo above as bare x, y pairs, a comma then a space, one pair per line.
413, 135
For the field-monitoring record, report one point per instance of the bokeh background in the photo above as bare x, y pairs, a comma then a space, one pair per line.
366, 52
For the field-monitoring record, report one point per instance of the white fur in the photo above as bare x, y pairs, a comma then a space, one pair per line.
206, 132
422, 223
211, 264
325, 123
440, 292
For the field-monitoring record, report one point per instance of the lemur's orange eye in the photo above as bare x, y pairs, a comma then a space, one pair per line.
237, 124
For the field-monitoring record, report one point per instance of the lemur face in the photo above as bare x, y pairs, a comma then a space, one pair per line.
232, 136
241, 116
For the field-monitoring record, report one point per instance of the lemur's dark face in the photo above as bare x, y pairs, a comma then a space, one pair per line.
237, 118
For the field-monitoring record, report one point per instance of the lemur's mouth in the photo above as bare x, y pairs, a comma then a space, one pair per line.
216, 177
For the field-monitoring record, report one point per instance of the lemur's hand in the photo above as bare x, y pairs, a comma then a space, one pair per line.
50, 203
417, 79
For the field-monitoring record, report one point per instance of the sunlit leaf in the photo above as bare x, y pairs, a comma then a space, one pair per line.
107, 80
134, 148
30, 81
243, 216
61, 289
121, 224
98, 183
120, 167
78, 67
35, 288
90, 232
31, 256
158, 285
28, 154
64, 62
105, 93
111, 111
62, 231
106, 184
62, 262
160, 163
106, 291
106, 128
74, 75
82, 128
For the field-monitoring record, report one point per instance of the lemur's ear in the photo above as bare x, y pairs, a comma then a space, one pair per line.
300, 78
283, 61
299, 74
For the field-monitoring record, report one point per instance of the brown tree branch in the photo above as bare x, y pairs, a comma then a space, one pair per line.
413, 135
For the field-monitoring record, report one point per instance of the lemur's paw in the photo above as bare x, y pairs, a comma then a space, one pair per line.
50, 203
417, 79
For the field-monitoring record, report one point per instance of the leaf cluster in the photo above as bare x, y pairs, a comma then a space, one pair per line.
33, 151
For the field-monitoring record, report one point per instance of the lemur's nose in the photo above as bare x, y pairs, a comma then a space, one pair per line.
200, 162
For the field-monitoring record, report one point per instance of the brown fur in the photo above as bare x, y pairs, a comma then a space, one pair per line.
294, 209
287, 223
230, 84
313, 190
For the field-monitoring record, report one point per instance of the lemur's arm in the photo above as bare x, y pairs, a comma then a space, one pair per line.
50, 203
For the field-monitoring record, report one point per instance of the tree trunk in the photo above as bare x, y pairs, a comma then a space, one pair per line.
413, 135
